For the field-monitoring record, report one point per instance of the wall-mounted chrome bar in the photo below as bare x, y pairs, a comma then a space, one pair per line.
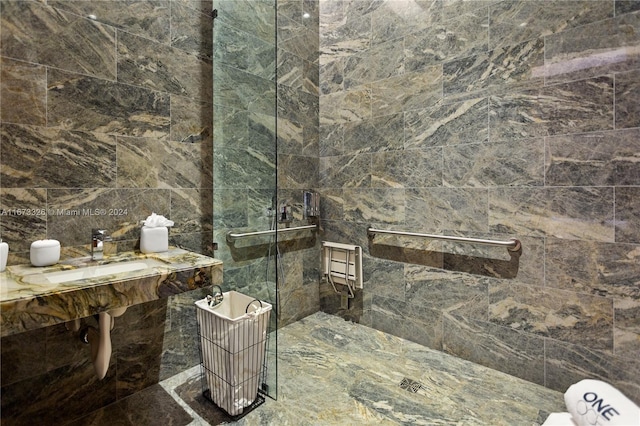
511, 245
232, 236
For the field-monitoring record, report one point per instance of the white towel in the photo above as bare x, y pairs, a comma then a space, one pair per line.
594, 402
559, 419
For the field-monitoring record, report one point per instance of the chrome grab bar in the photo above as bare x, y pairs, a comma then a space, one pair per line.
511, 245
232, 236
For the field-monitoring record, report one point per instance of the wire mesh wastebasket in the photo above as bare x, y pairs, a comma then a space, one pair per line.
233, 338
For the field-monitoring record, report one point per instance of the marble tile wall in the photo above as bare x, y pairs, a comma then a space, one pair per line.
491, 119
111, 115
103, 121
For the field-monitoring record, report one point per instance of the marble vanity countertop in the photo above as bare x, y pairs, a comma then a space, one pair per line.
31, 298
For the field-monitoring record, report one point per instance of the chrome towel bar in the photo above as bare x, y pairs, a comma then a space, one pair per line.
232, 236
511, 245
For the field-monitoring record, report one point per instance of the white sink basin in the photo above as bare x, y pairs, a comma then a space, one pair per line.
89, 272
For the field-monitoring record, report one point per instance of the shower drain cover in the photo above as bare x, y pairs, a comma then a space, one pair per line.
410, 385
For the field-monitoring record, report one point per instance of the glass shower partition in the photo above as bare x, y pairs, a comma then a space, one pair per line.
244, 153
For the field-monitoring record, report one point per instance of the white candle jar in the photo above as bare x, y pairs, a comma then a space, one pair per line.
44, 252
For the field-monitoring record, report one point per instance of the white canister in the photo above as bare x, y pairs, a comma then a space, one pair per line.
45, 252
154, 240
4, 254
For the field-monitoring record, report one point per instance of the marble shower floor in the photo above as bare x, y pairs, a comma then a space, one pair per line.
333, 372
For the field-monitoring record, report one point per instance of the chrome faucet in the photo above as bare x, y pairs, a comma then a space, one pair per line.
98, 238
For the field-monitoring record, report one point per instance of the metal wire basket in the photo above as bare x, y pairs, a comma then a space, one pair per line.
233, 338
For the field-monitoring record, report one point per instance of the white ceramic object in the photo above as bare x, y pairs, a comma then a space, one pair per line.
154, 239
4, 254
45, 252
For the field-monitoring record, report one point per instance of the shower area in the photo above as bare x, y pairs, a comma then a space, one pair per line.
480, 119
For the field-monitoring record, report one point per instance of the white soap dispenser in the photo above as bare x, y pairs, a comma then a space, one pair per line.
4, 254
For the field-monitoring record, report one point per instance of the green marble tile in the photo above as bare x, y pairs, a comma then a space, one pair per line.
191, 121
23, 92
627, 214
584, 213
423, 325
342, 107
298, 113
384, 278
41, 157
448, 124
381, 61
250, 16
152, 163
230, 208
407, 92
298, 39
395, 19
513, 352
331, 75
331, 140
580, 106
204, 6
311, 78
464, 35
383, 205
447, 291
192, 31
517, 163
625, 372
230, 127
383, 133
626, 100
244, 51
290, 69
517, 20
407, 168
510, 67
610, 270
163, 68
291, 9
598, 159
239, 90
18, 229
626, 6
191, 210
568, 363
331, 202
455, 8
297, 171
603, 47
345, 171
37, 33
342, 38
244, 168
570, 317
441, 209
626, 330
148, 18
78, 102
152, 405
